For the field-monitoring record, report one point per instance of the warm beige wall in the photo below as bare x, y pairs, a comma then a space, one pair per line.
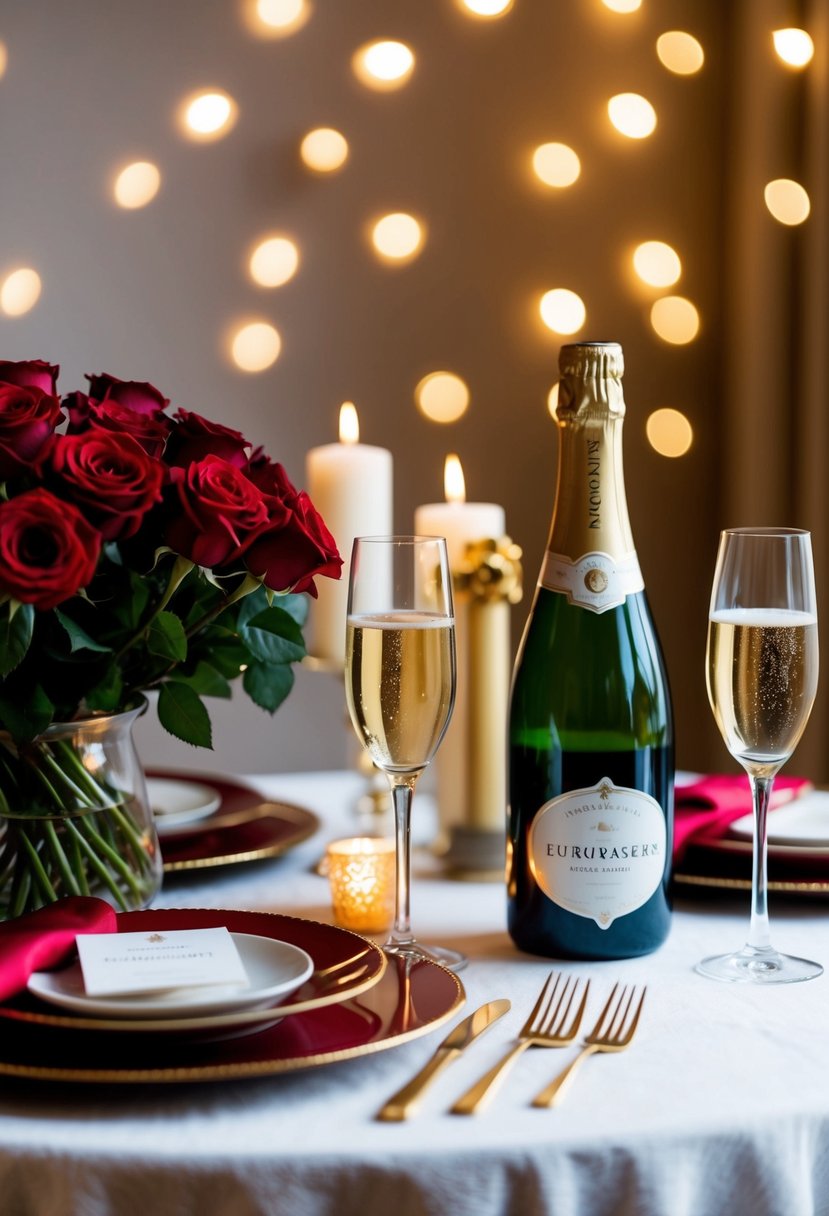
149, 294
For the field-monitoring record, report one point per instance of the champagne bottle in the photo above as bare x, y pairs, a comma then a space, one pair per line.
590, 729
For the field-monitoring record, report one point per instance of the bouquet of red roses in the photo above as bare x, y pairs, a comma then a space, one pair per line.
139, 550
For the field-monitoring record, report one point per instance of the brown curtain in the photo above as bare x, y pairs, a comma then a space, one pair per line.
775, 467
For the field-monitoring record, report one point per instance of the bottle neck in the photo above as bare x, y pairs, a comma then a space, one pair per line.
590, 514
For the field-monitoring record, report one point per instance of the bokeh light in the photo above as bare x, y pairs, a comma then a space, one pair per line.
675, 320
277, 18
486, 8
632, 115
556, 164
657, 264
794, 46
622, 6
20, 291
274, 261
209, 114
385, 64
255, 346
680, 52
397, 237
137, 184
787, 201
324, 150
442, 396
4, 58
562, 310
669, 432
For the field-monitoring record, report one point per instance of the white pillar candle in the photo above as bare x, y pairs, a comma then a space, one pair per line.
462, 523
350, 484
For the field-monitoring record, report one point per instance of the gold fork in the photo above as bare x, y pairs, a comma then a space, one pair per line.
547, 1026
614, 1029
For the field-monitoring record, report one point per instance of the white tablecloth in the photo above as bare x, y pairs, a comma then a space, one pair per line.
721, 1105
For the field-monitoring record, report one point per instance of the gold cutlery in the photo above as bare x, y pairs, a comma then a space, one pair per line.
406, 1100
546, 1026
614, 1029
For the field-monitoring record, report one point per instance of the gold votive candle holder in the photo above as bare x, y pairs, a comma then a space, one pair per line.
361, 872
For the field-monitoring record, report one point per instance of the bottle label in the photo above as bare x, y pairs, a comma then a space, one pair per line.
599, 852
596, 581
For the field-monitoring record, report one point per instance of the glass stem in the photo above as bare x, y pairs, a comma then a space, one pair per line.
758, 935
402, 789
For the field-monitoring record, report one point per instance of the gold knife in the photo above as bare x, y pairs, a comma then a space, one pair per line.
404, 1102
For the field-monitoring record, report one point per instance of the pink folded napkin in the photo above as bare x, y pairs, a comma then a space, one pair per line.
704, 811
45, 937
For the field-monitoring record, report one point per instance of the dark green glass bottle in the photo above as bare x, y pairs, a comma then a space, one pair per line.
591, 762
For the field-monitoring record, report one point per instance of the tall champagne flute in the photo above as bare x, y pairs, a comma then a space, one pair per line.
762, 671
400, 676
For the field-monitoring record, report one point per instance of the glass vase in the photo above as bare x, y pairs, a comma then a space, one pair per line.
75, 818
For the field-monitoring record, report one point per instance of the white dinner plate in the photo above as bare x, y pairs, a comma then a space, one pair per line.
179, 802
274, 969
804, 822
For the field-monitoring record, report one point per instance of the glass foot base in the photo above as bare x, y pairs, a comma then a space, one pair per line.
753, 966
414, 952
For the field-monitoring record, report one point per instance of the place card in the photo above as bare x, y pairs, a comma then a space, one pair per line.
114, 964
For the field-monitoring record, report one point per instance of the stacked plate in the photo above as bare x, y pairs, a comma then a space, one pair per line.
275, 970
351, 1002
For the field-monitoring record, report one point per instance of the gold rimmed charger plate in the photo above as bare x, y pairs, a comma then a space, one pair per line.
351, 966
406, 1002
246, 827
782, 886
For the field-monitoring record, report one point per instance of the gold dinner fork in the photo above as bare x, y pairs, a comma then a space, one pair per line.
547, 1026
614, 1029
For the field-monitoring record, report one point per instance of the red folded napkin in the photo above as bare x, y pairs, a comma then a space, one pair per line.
45, 937
703, 811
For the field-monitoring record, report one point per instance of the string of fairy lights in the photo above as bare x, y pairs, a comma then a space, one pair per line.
398, 238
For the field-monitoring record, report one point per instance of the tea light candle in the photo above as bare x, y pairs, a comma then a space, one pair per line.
350, 484
463, 524
361, 872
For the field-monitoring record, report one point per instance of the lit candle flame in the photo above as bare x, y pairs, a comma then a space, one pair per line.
349, 423
454, 486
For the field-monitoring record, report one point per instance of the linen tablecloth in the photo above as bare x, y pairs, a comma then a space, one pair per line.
721, 1104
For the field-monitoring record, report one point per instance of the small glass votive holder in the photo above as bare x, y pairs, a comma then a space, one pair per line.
361, 872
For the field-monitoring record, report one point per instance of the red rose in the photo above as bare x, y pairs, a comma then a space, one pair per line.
31, 373
136, 395
48, 551
111, 476
150, 430
222, 512
193, 438
28, 417
294, 549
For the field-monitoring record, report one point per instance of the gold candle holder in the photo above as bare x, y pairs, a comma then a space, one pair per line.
361, 874
487, 584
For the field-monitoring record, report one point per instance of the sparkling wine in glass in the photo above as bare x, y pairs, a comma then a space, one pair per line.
762, 672
400, 675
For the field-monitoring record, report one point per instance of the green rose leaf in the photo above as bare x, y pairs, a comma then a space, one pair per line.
273, 636
296, 606
181, 712
79, 639
16, 630
25, 714
207, 681
166, 637
223, 649
106, 695
268, 684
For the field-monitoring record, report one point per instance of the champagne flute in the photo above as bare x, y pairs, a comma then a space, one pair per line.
400, 676
762, 670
